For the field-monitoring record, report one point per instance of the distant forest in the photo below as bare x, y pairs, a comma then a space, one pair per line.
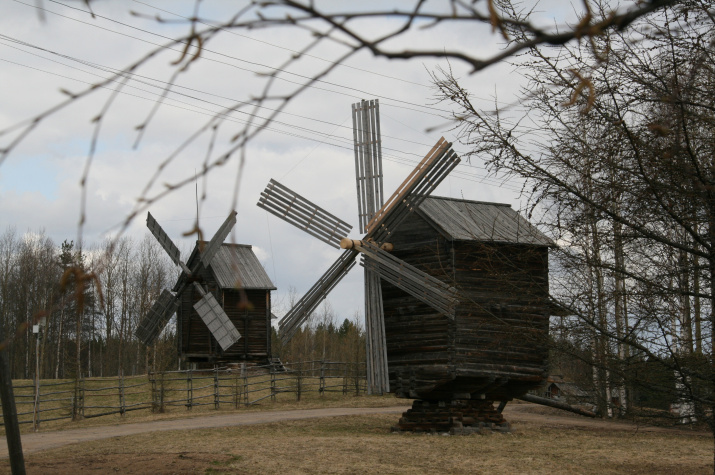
93, 297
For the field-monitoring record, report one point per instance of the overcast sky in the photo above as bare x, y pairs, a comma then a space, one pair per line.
43, 52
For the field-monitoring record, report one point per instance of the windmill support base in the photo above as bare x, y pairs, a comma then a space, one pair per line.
457, 417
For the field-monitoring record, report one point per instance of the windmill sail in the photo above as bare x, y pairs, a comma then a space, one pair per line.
214, 245
378, 381
420, 285
216, 320
303, 214
301, 311
163, 239
368, 159
156, 319
370, 197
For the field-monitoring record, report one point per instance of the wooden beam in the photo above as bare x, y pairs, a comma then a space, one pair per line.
9, 413
555, 404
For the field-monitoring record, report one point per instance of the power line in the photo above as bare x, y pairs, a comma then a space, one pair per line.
164, 84
283, 47
133, 75
347, 144
423, 108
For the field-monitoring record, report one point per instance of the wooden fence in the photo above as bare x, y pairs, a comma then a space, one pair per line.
158, 392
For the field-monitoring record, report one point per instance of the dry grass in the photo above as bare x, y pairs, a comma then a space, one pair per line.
361, 444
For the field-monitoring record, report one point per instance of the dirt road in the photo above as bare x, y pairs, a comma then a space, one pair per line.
36, 442
514, 413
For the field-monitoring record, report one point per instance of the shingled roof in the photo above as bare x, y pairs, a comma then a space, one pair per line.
236, 266
481, 221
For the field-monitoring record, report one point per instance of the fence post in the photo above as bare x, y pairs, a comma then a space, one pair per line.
82, 391
244, 375
189, 389
154, 394
236, 391
36, 409
216, 388
345, 378
321, 390
299, 381
121, 395
161, 393
273, 384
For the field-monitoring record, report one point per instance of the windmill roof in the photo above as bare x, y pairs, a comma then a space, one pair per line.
236, 266
481, 221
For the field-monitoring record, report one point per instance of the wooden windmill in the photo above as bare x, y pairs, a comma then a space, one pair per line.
456, 291
377, 222
221, 288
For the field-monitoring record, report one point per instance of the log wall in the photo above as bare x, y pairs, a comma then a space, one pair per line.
496, 345
420, 340
196, 344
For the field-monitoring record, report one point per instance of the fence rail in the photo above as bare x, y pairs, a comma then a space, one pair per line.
218, 387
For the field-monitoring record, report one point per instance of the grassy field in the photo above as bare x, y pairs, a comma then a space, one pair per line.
360, 444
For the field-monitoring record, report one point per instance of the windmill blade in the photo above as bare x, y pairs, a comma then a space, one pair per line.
156, 319
165, 242
210, 250
420, 285
303, 214
378, 381
368, 159
216, 320
301, 311
430, 172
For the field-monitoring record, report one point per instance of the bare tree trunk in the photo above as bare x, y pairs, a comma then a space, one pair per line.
697, 313
686, 326
59, 338
620, 311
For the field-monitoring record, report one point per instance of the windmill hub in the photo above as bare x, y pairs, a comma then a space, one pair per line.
347, 243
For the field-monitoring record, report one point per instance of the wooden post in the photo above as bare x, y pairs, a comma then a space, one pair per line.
161, 393
122, 405
154, 394
236, 391
36, 408
216, 388
245, 383
273, 384
189, 390
9, 413
299, 381
322, 378
345, 379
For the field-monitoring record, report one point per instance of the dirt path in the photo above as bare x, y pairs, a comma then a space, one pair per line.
514, 413
35, 442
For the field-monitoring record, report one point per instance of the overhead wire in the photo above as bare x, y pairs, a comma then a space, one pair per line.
226, 30
115, 71
108, 69
313, 86
346, 143
421, 108
309, 78
164, 84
